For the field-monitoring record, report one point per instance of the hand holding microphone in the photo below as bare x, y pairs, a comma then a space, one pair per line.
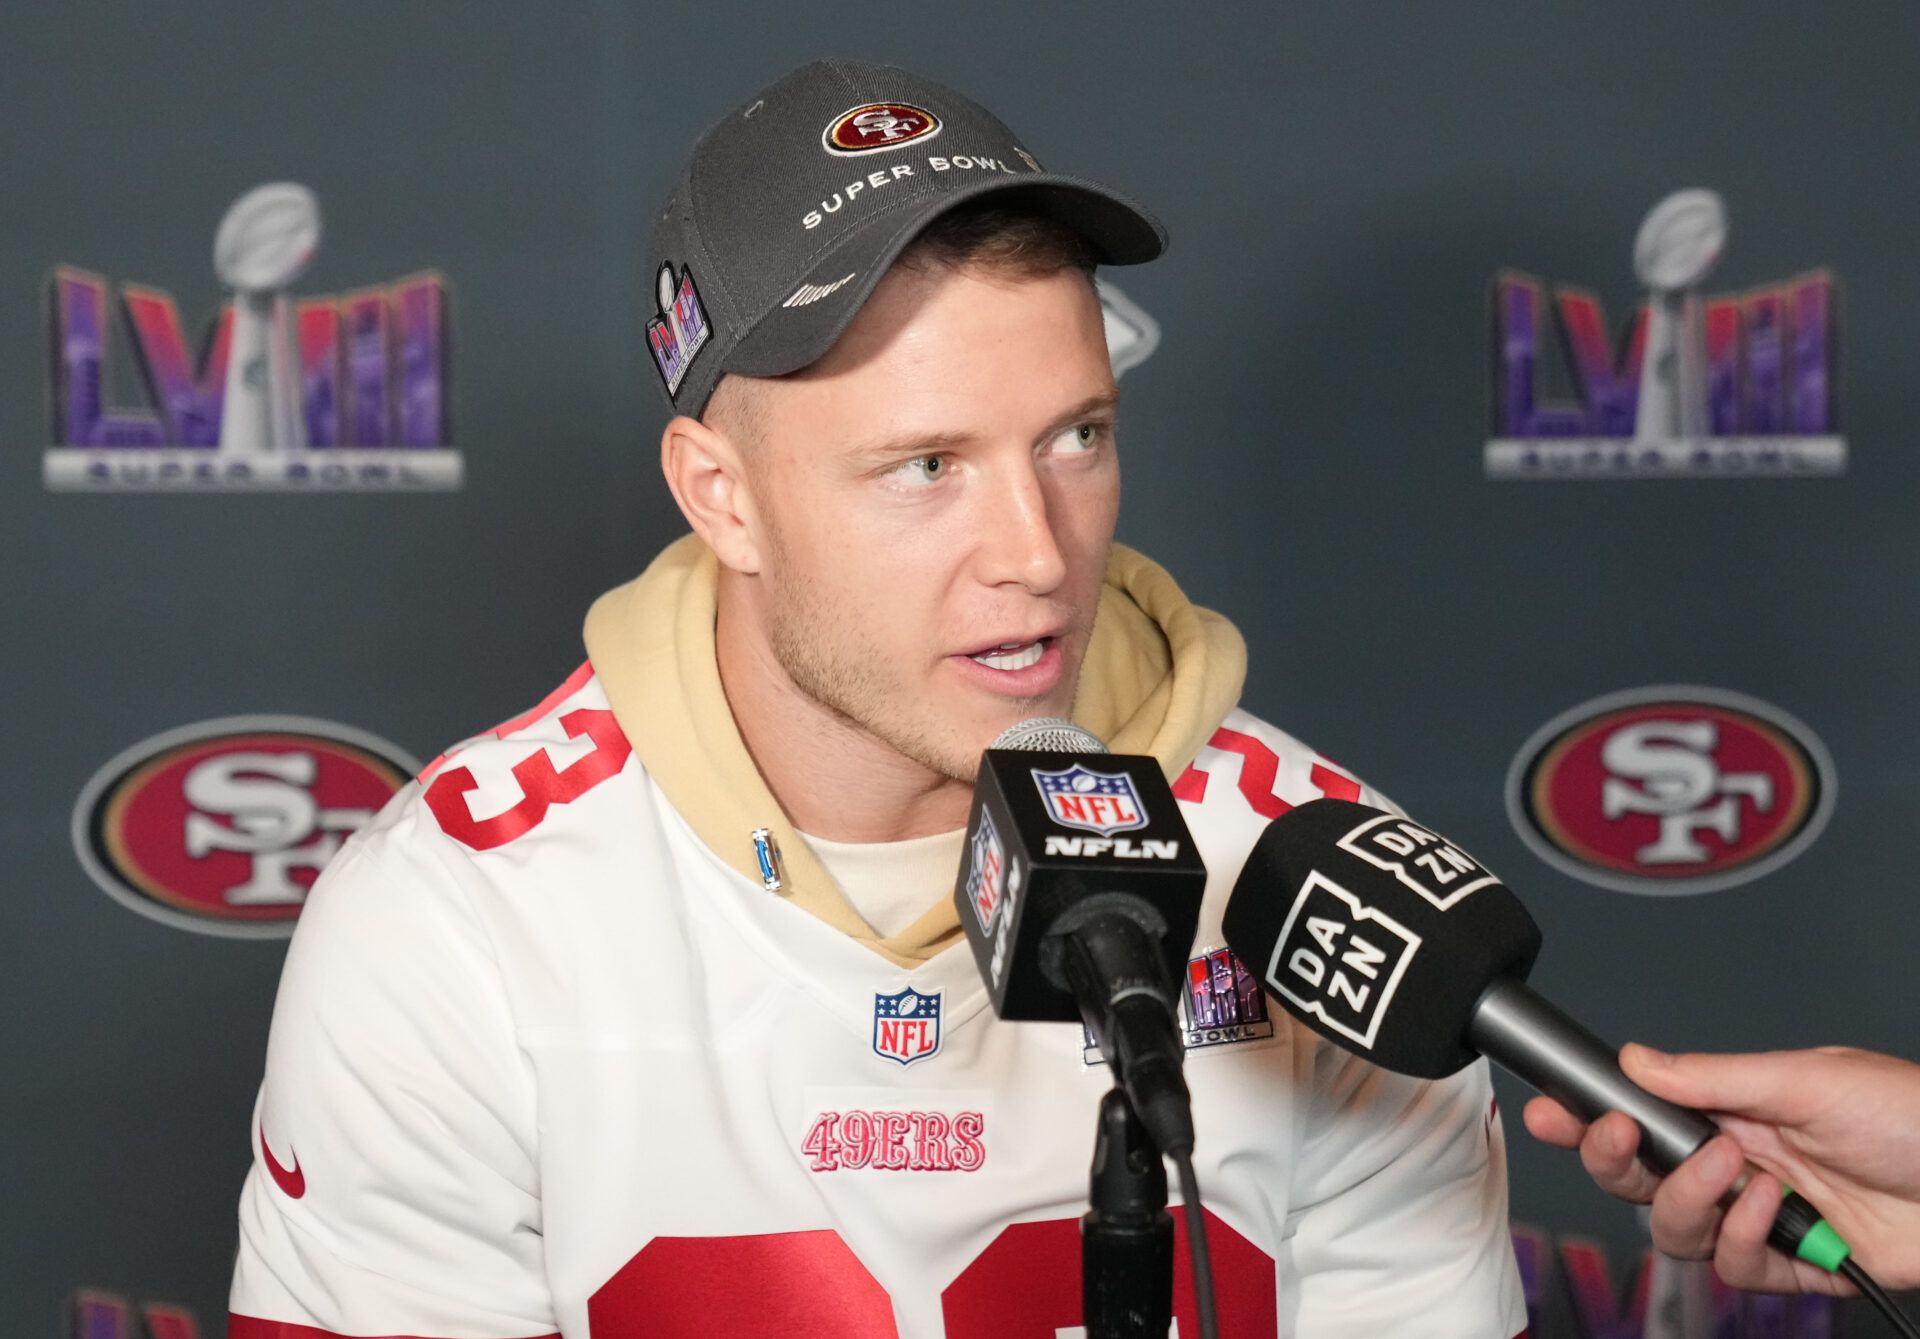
1842, 1125
1394, 944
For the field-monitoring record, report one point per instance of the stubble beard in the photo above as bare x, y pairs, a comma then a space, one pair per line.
841, 675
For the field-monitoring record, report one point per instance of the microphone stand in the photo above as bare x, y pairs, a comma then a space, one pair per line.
1126, 1237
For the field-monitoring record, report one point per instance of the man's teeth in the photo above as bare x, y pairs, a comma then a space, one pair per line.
1016, 658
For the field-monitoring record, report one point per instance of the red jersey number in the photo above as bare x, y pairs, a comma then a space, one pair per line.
1259, 769
1026, 1284
800, 1285
541, 785
782, 1285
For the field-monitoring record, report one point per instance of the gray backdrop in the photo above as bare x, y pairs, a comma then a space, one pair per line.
1342, 182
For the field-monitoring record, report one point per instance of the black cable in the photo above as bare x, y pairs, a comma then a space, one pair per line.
1874, 1293
1197, 1246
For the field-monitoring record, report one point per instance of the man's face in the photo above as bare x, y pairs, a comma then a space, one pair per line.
935, 500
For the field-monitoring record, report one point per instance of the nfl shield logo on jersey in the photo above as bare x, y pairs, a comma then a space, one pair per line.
1102, 802
906, 1025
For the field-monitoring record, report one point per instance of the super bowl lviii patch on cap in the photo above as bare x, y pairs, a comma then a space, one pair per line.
679, 328
792, 207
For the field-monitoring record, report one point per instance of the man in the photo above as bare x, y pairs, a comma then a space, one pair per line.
649, 1013
1839, 1125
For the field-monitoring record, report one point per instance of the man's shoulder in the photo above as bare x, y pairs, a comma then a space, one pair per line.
479, 806
579, 691
495, 823
1250, 772
518, 780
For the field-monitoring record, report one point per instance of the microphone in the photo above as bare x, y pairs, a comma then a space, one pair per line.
1080, 893
1393, 943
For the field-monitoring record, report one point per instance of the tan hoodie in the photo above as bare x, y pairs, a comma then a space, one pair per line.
1161, 673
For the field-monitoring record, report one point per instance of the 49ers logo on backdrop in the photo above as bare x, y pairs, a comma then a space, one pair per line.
222, 827
1671, 790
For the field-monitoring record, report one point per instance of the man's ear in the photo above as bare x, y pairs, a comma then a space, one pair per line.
706, 471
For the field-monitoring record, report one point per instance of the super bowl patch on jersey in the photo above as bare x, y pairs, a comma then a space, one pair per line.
1221, 1004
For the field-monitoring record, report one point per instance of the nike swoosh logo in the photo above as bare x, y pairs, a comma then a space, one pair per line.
291, 1180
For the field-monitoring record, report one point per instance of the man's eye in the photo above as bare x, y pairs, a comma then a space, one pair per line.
922, 469
1080, 437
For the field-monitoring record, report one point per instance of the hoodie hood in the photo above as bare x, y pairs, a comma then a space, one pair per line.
1160, 675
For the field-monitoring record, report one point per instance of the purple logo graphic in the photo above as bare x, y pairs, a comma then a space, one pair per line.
372, 365
1690, 384
679, 330
358, 396
1224, 1004
1222, 993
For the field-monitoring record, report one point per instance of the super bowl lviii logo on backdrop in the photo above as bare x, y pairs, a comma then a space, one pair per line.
308, 394
1671, 790
1694, 384
222, 827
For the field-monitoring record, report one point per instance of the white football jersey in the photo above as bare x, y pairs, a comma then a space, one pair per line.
542, 1062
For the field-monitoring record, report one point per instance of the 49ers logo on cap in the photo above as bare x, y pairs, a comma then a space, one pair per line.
222, 827
879, 125
1671, 790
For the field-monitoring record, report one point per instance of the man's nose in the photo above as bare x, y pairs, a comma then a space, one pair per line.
1017, 542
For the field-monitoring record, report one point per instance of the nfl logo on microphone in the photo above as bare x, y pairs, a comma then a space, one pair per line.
906, 1025
983, 873
1102, 802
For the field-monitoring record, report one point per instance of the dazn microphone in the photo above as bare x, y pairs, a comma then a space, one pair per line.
1391, 942
1080, 892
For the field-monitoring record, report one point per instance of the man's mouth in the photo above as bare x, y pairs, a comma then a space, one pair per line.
1012, 655
1022, 667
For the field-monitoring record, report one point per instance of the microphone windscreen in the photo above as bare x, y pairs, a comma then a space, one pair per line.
1048, 734
1377, 933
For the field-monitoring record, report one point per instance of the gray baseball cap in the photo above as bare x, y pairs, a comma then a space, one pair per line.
790, 210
